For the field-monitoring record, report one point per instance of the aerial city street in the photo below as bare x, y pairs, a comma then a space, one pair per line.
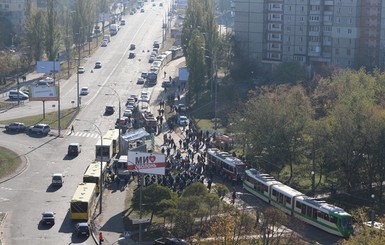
124, 95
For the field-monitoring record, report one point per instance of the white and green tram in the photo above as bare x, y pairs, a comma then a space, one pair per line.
318, 213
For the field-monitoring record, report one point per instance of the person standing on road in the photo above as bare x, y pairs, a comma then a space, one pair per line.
72, 129
100, 237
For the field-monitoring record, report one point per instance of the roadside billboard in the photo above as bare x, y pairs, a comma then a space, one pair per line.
47, 67
43, 93
146, 163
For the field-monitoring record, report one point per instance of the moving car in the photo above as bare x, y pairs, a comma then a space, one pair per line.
122, 22
142, 10
39, 129
131, 55
16, 127
110, 109
57, 179
74, 149
82, 229
84, 91
183, 121
81, 69
48, 218
98, 64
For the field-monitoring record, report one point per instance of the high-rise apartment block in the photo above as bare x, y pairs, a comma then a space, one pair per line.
345, 33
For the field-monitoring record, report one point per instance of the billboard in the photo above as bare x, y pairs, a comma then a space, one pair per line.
146, 163
47, 66
43, 93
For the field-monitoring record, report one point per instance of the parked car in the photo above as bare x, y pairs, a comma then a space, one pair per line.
82, 229
130, 106
104, 43
81, 69
144, 74
48, 218
145, 96
166, 84
84, 91
122, 22
140, 80
132, 46
39, 129
110, 109
57, 179
142, 10
151, 59
131, 55
15, 127
74, 149
130, 100
98, 64
127, 113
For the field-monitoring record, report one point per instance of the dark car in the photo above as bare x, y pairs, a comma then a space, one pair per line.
110, 109
82, 229
131, 55
74, 149
140, 80
166, 84
48, 218
16, 127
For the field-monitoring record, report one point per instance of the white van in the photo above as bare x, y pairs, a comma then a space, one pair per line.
14, 95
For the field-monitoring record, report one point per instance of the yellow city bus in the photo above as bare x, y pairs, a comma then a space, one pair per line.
92, 174
83, 201
113, 134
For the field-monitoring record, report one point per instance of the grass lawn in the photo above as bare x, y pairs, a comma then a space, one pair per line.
9, 162
50, 118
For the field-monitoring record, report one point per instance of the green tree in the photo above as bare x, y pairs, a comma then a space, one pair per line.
154, 199
53, 30
272, 125
196, 66
35, 32
289, 72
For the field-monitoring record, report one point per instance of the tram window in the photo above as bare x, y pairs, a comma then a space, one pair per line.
265, 188
309, 211
333, 219
274, 193
298, 205
315, 211
326, 217
288, 200
303, 209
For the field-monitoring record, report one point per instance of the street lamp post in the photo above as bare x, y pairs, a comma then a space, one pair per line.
101, 164
372, 211
313, 183
120, 109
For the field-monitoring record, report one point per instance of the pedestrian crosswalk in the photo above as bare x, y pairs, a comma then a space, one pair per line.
85, 135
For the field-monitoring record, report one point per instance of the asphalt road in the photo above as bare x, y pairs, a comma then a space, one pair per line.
24, 197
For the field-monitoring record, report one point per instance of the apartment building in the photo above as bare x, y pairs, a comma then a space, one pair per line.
345, 33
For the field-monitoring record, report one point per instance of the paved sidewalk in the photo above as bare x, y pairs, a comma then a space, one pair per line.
111, 221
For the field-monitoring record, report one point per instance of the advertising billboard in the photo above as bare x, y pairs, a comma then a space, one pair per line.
146, 163
43, 93
47, 67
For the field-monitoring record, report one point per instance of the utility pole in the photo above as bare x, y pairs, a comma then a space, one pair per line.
77, 72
